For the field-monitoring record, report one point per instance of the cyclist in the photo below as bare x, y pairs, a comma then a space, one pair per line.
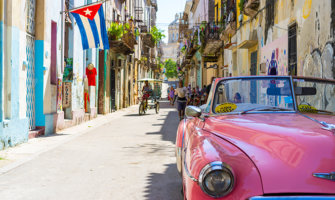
146, 92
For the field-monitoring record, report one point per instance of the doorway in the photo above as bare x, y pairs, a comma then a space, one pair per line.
112, 88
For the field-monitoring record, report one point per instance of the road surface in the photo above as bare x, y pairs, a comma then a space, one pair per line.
129, 157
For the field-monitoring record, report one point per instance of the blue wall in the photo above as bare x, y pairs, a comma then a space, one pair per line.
39, 80
1, 69
15, 88
14, 130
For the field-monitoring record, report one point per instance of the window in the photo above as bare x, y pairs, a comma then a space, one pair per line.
253, 63
292, 49
53, 56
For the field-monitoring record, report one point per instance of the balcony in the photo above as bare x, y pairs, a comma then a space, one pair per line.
210, 38
183, 27
122, 42
230, 22
251, 7
148, 40
145, 51
190, 51
185, 61
192, 46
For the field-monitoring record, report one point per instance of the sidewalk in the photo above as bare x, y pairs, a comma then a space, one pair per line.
15, 156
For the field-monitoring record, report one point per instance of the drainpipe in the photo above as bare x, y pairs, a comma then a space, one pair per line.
62, 34
1, 55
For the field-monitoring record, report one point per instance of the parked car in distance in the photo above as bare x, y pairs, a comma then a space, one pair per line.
260, 137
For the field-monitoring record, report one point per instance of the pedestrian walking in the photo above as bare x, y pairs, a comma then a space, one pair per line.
171, 95
181, 96
168, 93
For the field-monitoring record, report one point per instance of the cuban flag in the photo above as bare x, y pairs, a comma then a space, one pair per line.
91, 23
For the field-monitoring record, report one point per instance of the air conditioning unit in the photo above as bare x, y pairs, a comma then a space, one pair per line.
262, 67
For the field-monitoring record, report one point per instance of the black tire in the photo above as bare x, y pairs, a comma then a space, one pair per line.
141, 109
157, 107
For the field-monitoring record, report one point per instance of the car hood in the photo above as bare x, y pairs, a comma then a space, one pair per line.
286, 148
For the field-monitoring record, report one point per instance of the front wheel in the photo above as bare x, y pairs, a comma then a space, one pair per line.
141, 109
157, 107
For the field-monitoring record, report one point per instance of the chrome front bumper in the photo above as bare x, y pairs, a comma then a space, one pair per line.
292, 197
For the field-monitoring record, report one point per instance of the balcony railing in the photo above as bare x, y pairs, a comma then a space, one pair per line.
230, 23
210, 37
148, 40
251, 7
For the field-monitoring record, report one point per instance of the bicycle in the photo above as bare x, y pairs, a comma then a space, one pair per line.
144, 105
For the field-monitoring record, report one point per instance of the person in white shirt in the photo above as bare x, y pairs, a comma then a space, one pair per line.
181, 96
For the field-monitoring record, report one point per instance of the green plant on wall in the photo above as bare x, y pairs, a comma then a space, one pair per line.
202, 28
183, 49
157, 34
241, 5
195, 40
144, 59
116, 30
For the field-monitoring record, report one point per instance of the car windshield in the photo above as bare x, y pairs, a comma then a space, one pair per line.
315, 96
261, 94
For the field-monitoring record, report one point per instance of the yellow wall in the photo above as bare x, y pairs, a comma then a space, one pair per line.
217, 18
238, 12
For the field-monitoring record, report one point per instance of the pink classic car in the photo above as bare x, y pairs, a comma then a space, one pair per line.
261, 137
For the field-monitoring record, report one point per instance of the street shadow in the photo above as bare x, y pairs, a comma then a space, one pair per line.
164, 186
137, 115
53, 135
169, 128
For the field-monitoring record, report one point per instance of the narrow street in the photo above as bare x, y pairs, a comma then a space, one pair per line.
130, 157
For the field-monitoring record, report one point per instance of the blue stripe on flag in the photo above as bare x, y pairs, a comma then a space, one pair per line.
103, 31
95, 32
81, 30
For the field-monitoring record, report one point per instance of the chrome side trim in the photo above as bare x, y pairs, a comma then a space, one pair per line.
182, 140
292, 197
327, 176
188, 173
182, 149
178, 158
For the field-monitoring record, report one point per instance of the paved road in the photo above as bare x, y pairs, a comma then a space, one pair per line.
130, 157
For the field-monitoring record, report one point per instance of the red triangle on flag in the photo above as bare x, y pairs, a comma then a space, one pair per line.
88, 11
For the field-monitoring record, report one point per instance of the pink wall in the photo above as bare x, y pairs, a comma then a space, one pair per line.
275, 55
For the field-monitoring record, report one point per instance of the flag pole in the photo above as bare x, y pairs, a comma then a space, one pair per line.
98, 2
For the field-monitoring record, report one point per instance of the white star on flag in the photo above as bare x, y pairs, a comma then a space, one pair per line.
87, 12
91, 23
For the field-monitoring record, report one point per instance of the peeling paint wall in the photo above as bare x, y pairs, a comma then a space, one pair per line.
314, 37
315, 40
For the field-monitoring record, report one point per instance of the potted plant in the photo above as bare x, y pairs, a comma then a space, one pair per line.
115, 31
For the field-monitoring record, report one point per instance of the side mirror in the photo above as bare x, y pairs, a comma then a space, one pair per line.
193, 111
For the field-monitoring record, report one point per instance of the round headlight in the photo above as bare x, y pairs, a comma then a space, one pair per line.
216, 179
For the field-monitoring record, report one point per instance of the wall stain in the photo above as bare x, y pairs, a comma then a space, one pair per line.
306, 11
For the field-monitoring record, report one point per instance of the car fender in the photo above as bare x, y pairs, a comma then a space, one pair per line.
203, 148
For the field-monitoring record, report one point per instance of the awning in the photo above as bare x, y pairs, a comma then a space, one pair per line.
247, 44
